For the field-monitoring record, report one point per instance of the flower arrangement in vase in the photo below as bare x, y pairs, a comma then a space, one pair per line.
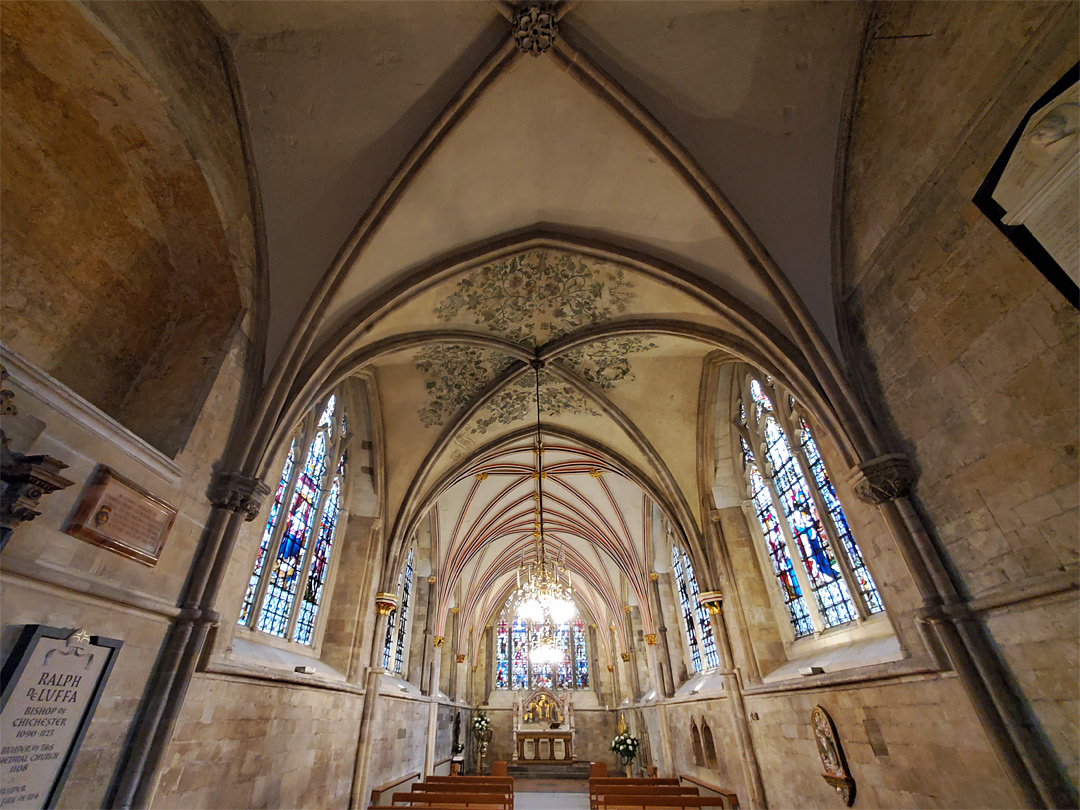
626, 746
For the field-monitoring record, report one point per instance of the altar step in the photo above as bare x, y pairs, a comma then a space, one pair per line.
541, 770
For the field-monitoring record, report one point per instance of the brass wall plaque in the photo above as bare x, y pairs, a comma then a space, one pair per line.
51, 684
119, 515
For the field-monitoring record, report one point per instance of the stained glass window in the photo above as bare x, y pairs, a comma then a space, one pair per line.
565, 674
295, 550
502, 655
687, 609
519, 639
388, 642
403, 613
777, 548
268, 531
828, 586
708, 642
799, 484
832, 503
581, 657
541, 673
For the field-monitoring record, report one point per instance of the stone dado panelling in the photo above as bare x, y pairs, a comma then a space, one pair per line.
399, 739
242, 743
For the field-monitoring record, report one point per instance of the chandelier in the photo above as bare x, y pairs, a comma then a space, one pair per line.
543, 598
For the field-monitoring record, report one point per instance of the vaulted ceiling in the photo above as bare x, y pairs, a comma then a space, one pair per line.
441, 208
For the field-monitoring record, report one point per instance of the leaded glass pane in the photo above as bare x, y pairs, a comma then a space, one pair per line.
502, 655
828, 586
541, 673
687, 610
581, 656
836, 512
403, 614
565, 673
281, 591
320, 561
388, 642
708, 642
519, 635
777, 548
268, 531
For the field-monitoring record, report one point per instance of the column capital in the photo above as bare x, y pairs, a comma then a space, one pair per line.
237, 492
881, 479
712, 601
385, 603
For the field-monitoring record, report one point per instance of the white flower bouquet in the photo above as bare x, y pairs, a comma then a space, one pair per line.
625, 745
481, 725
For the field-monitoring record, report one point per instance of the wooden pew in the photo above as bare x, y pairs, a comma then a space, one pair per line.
493, 784
598, 785
506, 796
644, 801
613, 793
472, 800
709, 789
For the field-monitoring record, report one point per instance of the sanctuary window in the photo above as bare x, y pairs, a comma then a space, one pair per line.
398, 621
696, 623
513, 670
821, 577
287, 582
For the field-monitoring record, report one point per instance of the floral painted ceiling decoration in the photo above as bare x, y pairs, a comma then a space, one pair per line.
537, 296
530, 298
517, 402
605, 362
453, 375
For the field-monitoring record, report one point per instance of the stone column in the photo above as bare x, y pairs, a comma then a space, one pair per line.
419, 641
428, 646
489, 661
452, 655
635, 677
593, 668
384, 604
616, 685
665, 651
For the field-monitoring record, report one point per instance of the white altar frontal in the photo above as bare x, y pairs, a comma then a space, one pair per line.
543, 728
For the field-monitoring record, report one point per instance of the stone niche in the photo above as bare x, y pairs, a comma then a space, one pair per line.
117, 274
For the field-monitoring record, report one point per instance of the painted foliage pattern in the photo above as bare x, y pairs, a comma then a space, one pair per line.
530, 298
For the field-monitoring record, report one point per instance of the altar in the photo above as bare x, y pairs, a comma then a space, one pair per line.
544, 728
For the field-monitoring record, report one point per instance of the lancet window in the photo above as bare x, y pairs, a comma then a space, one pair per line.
287, 583
513, 670
698, 629
398, 621
806, 536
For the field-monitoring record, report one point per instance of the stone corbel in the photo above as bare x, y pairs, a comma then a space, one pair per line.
238, 493
26, 480
885, 478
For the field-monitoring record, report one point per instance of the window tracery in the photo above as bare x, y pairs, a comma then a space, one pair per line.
799, 514
513, 670
696, 623
288, 579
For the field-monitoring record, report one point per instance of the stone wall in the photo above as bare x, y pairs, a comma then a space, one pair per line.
240, 743
119, 278
964, 351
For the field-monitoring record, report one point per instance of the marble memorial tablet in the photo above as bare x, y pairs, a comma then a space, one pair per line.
51, 684
121, 516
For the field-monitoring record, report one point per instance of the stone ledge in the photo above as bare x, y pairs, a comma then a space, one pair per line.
39, 384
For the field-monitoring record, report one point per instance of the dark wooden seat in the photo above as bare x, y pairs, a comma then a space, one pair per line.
437, 797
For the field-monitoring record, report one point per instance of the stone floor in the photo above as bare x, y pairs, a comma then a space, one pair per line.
550, 801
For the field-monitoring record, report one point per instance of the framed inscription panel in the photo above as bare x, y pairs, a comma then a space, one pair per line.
51, 684
123, 517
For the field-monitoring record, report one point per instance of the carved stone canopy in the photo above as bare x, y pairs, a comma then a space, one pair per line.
883, 479
26, 480
535, 28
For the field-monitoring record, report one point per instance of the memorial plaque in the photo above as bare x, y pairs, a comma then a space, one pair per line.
121, 516
51, 684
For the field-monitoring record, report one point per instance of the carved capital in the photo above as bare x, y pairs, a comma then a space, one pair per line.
535, 28
385, 603
238, 493
625, 657
650, 639
26, 480
438, 641
882, 479
712, 601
